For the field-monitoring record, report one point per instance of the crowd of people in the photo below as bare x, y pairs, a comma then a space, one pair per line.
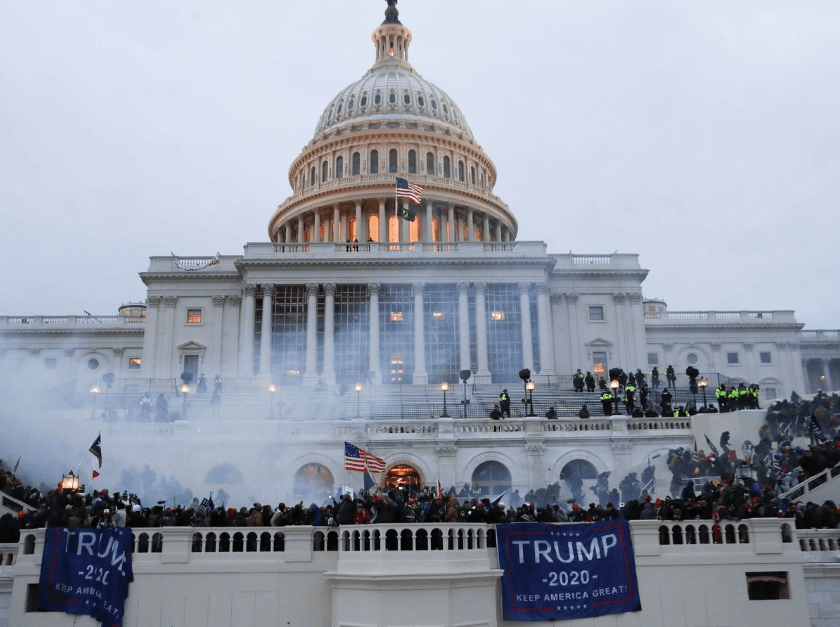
715, 486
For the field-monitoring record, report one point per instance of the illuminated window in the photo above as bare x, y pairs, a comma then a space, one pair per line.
497, 315
134, 363
438, 315
396, 316
599, 363
353, 234
194, 316
373, 227
596, 313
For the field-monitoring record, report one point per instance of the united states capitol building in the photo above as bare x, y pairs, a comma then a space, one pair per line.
346, 324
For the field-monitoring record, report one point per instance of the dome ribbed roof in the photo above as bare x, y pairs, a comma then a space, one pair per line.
402, 95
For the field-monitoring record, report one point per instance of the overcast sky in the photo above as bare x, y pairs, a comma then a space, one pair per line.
702, 135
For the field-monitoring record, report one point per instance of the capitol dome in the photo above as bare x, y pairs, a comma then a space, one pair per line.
392, 90
392, 123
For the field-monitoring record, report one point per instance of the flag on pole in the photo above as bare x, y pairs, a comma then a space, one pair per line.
407, 189
96, 449
498, 499
712, 446
816, 430
406, 214
440, 489
358, 459
17, 463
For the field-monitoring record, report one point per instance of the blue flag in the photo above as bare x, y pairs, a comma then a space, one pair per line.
96, 449
560, 572
86, 571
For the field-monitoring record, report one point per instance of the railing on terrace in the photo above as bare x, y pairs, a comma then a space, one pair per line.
721, 315
397, 541
70, 321
350, 248
819, 335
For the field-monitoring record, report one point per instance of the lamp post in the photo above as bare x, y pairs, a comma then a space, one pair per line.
703, 382
94, 392
529, 387
271, 390
70, 482
358, 388
465, 375
185, 389
614, 387
444, 387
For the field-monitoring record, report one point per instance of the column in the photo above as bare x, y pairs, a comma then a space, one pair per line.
316, 236
577, 352
827, 385
483, 374
310, 374
485, 234
450, 208
301, 234
619, 329
232, 320
246, 340
373, 291
329, 333
360, 234
150, 335
218, 334
265, 330
428, 234
336, 224
420, 376
383, 223
464, 325
470, 225
546, 338
286, 233
168, 320
525, 315
498, 231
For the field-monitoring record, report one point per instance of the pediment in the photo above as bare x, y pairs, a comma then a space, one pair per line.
599, 342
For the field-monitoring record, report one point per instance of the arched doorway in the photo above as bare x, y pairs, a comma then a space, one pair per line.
574, 474
403, 476
491, 479
312, 480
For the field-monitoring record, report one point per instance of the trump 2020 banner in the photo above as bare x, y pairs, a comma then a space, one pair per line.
86, 571
560, 572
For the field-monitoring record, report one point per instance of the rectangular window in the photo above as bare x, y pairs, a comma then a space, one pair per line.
653, 359
768, 586
194, 316
765, 357
732, 358
50, 363
769, 393
134, 363
596, 313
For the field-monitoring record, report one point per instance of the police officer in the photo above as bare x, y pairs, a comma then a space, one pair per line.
720, 394
504, 403
606, 402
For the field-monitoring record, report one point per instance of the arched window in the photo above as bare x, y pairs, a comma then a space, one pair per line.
447, 168
373, 166
312, 176
325, 167
478, 235
407, 98
472, 174
377, 99
491, 478
435, 234
392, 160
339, 167
350, 104
430, 163
392, 98
412, 162
356, 164
352, 227
313, 480
363, 101
460, 170
578, 468
373, 227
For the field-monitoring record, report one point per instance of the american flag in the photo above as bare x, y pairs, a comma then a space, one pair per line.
407, 189
358, 459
